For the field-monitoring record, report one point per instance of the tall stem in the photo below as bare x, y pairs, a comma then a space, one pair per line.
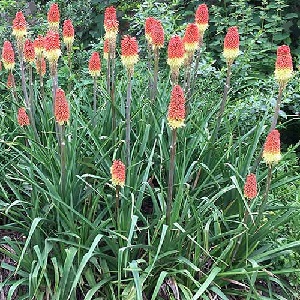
28, 102
31, 88
155, 75
264, 201
197, 63
117, 205
62, 159
150, 83
127, 116
108, 72
223, 103
171, 177
112, 92
273, 125
95, 100
54, 89
70, 70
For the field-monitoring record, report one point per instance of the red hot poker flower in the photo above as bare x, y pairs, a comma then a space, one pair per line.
176, 111
157, 36
8, 56
129, 50
19, 27
68, 34
149, 23
250, 187
29, 53
52, 47
201, 18
53, 17
95, 64
271, 151
39, 45
175, 52
111, 23
61, 107
191, 38
118, 173
23, 119
283, 65
231, 45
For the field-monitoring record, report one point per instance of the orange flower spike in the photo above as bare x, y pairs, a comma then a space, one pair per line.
149, 24
129, 50
176, 111
111, 24
68, 34
157, 36
271, 151
118, 173
40, 65
52, 46
191, 38
61, 107
53, 17
29, 53
39, 46
95, 64
201, 18
8, 56
250, 187
106, 49
23, 119
19, 27
175, 52
231, 45
10, 81
284, 65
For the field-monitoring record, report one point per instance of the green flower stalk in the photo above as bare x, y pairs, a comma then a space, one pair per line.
176, 118
129, 57
95, 69
62, 116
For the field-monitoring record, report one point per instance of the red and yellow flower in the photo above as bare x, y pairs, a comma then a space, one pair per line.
231, 45
22, 117
175, 53
8, 56
271, 151
68, 34
284, 65
149, 24
39, 46
29, 53
61, 107
250, 187
129, 52
176, 111
52, 49
191, 38
118, 173
201, 18
19, 27
157, 36
111, 24
53, 17
95, 64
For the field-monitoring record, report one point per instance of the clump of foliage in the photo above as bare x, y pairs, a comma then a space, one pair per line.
121, 180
